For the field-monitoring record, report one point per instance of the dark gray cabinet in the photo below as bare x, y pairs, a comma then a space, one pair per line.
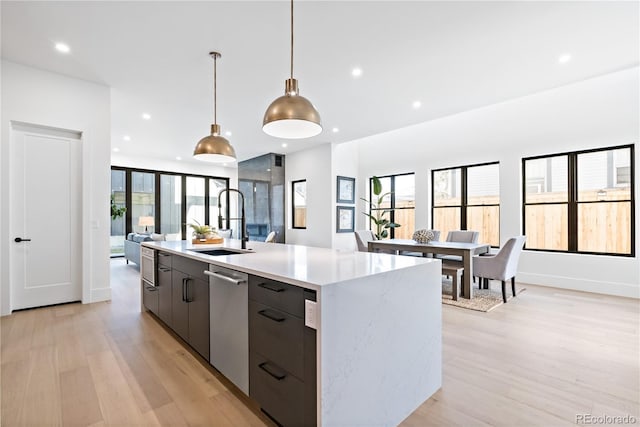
282, 352
182, 299
163, 285
150, 298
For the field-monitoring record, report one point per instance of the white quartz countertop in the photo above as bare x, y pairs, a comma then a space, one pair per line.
299, 265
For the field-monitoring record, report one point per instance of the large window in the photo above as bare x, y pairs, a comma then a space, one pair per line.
171, 206
580, 201
167, 200
143, 202
118, 229
467, 198
299, 204
400, 203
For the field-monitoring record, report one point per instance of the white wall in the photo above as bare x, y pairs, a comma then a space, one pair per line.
314, 165
344, 163
599, 112
38, 97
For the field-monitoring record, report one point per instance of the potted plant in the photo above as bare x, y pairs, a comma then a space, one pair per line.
376, 214
201, 231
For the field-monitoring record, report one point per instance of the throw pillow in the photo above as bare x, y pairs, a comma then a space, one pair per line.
423, 236
158, 237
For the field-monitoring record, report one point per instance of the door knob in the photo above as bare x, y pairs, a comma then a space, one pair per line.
20, 239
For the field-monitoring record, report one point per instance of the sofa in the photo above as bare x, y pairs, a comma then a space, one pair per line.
132, 245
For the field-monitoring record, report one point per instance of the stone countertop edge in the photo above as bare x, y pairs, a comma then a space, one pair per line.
305, 266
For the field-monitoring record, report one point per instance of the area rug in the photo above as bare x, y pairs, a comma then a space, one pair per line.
483, 299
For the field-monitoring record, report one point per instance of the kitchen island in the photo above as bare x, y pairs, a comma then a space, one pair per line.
376, 324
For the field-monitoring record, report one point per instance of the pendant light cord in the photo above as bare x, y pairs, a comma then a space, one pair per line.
215, 108
292, 39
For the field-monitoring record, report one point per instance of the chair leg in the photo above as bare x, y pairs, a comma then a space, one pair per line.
504, 292
486, 283
513, 286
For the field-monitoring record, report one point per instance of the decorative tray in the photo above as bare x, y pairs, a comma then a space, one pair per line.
207, 241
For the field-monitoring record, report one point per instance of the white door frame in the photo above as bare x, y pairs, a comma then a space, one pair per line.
6, 305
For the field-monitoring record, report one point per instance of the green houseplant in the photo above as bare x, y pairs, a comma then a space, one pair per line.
116, 211
376, 214
200, 231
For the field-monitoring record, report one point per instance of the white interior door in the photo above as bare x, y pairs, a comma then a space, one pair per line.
45, 202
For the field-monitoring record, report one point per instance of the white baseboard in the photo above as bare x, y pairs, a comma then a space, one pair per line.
628, 290
100, 294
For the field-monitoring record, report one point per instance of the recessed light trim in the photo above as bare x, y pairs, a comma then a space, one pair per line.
356, 72
284, 145
416, 104
146, 116
228, 133
564, 58
62, 47
126, 138
335, 130
116, 149
178, 158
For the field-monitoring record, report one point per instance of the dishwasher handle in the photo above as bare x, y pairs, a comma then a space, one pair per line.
223, 277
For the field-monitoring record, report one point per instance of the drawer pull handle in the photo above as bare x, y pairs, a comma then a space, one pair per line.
161, 254
150, 288
271, 287
266, 314
275, 375
164, 269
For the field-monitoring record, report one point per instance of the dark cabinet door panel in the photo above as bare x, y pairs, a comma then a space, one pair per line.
276, 294
164, 294
179, 306
279, 393
198, 297
278, 336
150, 298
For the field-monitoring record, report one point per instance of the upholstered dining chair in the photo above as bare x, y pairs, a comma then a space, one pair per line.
463, 236
271, 237
501, 266
362, 238
459, 236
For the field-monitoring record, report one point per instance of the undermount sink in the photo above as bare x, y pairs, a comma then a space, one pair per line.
218, 252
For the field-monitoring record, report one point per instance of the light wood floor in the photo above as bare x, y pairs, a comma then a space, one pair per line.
541, 359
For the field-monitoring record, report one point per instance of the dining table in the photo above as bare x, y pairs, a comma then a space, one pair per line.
465, 250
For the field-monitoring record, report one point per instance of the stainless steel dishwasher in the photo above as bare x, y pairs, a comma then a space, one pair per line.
229, 327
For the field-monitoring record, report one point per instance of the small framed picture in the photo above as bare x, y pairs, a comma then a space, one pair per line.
345, 219
346, 191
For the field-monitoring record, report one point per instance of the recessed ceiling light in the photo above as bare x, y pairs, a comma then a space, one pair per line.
126, 138
146, 116
356, 72
417, 104
178, 158
284, 145
335, 130
61, 47
269, 170
116, 149
228, 133
564, 58
224, 164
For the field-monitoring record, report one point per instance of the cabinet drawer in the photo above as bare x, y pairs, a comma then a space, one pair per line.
278, 336
150, 298
191, 267
164, 258
278, 295
278, 392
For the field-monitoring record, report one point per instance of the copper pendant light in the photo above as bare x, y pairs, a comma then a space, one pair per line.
291, 115
214, 148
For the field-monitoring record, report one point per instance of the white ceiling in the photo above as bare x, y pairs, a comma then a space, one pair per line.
452, 56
